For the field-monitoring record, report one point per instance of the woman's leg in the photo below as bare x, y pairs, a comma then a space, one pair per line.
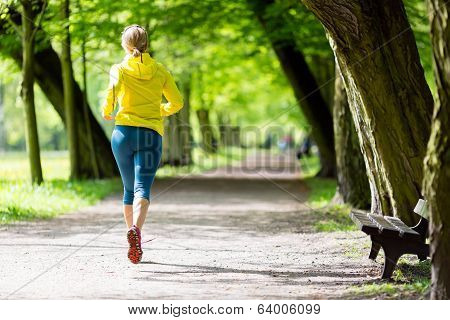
146, 162
140, 211
128, 214
123, 153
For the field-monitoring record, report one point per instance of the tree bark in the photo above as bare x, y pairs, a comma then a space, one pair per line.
2, 117
352, 183
27, 92
69, 97
185, 122
47, 72
209, 141
436, 184
389, 98
306, 90
323, 68
177, 142
89, 138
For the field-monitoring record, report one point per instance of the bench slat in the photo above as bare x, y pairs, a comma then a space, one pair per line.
378, 224
382, 222
401, 225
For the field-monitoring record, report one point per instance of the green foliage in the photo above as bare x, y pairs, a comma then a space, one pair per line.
219, 44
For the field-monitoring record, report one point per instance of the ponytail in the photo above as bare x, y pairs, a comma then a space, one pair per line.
136, 52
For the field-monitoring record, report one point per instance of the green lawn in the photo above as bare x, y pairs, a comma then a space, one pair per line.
19, 200
328, 217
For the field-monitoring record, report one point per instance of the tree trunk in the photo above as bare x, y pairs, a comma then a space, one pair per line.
209, 142
177, 142
323, 68
89, 138
27, 92
185, 122
69, 96
311, 102
2, 117
353, 185
436, 184
389, 98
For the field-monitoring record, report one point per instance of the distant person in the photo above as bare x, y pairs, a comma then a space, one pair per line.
138, 83
286, 142
305, 148
268, 142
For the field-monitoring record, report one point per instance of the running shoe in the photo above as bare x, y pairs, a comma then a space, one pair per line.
134, 240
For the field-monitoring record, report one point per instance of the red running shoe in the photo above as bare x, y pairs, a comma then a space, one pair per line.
134, 240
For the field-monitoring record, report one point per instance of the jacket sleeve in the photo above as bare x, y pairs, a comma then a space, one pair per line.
173, 96
111, 93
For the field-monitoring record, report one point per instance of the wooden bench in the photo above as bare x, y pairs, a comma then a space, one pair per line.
394, 236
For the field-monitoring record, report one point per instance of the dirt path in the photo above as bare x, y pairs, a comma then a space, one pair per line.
217, 237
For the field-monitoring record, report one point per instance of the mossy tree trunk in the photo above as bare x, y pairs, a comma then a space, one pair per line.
89, 138
27, 91
353, 184
69, 94
312, 104
437, 162
389, 98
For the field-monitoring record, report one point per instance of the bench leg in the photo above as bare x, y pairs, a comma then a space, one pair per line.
421, 257
424, 252
390, 261
374, 250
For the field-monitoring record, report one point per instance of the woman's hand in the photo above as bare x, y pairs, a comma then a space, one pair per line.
108, 117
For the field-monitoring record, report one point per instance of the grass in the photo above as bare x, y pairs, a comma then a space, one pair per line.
321, 191
334, 218
20, 200
329, 217
309, 166
411, 280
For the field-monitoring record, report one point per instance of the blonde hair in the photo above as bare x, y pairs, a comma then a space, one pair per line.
134, 40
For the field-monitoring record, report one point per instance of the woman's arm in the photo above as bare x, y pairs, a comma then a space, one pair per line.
111, 93
173, 96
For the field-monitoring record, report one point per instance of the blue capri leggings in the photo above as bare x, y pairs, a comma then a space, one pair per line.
138, 152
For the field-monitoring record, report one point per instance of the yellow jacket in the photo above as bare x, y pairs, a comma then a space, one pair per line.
138, 84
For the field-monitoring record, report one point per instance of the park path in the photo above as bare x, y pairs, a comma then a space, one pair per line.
227, 234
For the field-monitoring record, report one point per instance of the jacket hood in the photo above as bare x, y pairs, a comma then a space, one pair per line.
140, 67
